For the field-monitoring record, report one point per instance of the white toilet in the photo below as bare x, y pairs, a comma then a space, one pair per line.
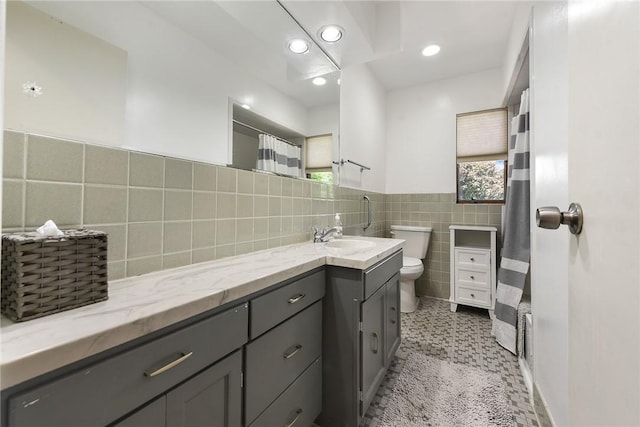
414, 250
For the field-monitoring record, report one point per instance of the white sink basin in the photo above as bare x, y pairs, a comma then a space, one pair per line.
350, 244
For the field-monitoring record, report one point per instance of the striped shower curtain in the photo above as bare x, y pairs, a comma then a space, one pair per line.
278, 156
516, 249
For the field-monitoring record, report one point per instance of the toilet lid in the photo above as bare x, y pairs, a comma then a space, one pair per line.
410, 262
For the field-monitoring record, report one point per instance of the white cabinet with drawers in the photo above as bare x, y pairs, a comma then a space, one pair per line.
473, 266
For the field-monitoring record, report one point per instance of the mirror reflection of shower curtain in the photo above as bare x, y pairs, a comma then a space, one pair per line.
278, 156
514, 262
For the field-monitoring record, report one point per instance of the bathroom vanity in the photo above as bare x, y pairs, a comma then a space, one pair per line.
196, 372
473, 266
238, 342
361, 333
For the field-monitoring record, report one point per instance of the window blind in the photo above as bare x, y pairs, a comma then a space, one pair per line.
319, 153
482, 136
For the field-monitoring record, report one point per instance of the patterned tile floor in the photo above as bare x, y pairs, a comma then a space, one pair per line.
462, 337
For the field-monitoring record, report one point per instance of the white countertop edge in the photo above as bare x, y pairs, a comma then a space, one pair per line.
144, 304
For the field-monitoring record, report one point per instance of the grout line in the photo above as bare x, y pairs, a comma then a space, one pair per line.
84, 173
25, 151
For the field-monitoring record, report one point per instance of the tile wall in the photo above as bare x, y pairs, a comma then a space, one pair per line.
438, 211
162, 212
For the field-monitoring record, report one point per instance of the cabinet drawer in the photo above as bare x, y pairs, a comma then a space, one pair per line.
299, 405
478, 277
272, 308
103, 392
380, 273
473, 257
477, 297
277, 358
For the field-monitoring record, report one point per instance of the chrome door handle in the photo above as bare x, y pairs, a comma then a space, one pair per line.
550, 217
169, 365
296, 298
291, 351
298, 413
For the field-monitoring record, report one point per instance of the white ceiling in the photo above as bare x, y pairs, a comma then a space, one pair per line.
386, 35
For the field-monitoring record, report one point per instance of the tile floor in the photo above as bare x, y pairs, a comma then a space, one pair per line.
461, 337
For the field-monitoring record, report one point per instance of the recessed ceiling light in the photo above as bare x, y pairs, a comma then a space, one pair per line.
331, 33
246, 106
298, 46
319, 81
431, 50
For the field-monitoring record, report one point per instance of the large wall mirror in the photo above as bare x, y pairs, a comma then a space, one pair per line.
194, 71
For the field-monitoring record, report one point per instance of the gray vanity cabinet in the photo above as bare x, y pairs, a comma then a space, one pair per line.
258, 363
392, 310
152, 415
283, 376
104, 391
213, 395
373, 353
361, 333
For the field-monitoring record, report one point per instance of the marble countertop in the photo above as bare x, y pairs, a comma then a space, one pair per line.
144, 304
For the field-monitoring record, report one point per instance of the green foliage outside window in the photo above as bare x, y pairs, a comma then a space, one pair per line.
481, 181
326, 177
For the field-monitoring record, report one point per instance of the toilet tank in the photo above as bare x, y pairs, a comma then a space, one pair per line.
416, 239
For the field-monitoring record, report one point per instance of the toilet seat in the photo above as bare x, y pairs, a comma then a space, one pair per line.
408, 261
411, 266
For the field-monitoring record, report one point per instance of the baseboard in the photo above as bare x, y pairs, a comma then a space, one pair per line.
526, 375
540, 409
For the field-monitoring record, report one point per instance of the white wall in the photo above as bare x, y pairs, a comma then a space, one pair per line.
517, 34
549, 187
326, 119
3, 14
83, 79
421, 129
362, 129
177, 88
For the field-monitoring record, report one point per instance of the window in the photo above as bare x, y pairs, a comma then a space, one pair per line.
318, 157
481, 157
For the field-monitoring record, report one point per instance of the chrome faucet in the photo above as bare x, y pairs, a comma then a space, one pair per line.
322, 235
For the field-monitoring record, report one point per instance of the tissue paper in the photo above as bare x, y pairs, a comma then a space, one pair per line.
49, 228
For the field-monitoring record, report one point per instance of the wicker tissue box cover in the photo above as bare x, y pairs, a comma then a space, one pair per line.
46, 275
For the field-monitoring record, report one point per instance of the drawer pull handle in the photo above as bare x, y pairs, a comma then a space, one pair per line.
296, 298
472, 259
298, 413
291, 351
473, 296
169, 365
393, 315
473, 278
374, 340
